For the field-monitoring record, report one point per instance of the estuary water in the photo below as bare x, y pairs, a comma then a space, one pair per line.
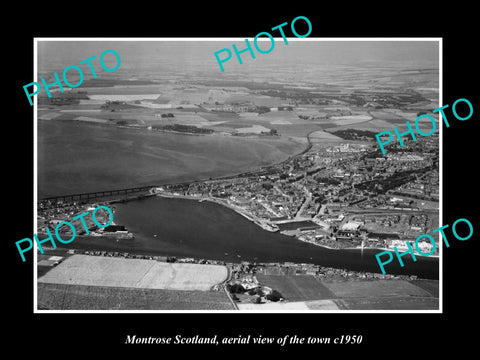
75, 158
189, 228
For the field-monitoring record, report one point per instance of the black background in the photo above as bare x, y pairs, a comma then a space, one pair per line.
383, 334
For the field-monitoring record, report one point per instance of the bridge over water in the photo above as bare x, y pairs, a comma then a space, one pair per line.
99, 194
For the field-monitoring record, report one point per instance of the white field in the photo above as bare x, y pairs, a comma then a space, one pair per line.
412, 116
323, 135
372, 125
188, 118
294, 305
349, 119
280, 122
309, 111
80, 110
150, 105
248, 114
123, 97
210, 123
283, 115
134, 273
426, 89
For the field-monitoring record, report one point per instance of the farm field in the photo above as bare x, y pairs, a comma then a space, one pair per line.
427, 285
90, 119
297, 288
371, 125
392, 303
134, 273
350, 119
47, 115
126, 89
296, 305
376, 289
322, 136
394, 114
305, 292
253, 129
145, 103
81, 297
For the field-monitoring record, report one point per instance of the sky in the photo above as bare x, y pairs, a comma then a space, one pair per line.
199, 55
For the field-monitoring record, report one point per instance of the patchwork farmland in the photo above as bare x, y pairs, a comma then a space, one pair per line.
305, 292
80, 297
83, 282
134, 273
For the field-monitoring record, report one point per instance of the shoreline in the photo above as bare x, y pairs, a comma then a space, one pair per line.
268, 227
321, 272
259, 222
307, 145
365, 248
264, 224
249, 217
168, 195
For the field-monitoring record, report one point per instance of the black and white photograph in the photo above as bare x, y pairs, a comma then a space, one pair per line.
224, 180
260, 188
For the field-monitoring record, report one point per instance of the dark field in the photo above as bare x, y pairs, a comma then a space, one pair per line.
392, 303
376, 289
357, 295
76, 297
42, 270
427, 285
297, 288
